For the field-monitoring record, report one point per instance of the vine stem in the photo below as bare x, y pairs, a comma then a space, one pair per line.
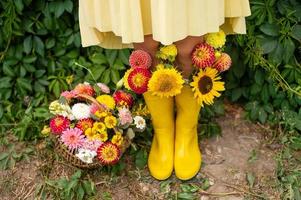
284, 84
90, 72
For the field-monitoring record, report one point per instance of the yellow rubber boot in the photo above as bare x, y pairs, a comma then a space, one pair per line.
187, 161
160, 159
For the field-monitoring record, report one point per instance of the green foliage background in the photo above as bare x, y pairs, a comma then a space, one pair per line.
40, 42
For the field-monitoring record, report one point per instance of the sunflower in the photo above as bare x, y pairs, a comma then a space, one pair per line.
165, 82
106, 100
206, 86
138, 80
108, 153
110, 121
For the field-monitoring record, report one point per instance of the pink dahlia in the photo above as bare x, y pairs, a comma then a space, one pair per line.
125, 116
223, 63
58, 124
69, 94
123, 99
103, 87
91, 145
138, 80
203, 55
140, 58
73, 138
94, 108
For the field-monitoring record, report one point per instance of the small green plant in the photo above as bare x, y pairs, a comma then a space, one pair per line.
74, 188
9, 158
288, 168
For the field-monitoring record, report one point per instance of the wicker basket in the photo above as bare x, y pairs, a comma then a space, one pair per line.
69, 155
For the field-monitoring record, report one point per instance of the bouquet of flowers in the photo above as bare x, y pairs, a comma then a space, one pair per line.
209, 60
92, 126
165, 80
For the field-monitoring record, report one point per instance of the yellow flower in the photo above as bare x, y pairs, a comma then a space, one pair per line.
140, 110
110, 121
216, 40
206, 86
46, 130
103, 136
106, 100
117, 139
69, 79
168, 52
99, 127
90, 132
166, 82
100, 114
126, 77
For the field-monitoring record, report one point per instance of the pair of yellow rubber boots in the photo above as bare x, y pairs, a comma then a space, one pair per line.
175, 141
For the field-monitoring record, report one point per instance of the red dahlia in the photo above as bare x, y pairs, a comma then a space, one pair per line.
203, 55
223, 63
108, 153
138, 80
58, 124
84, 124
140, 58
123, 99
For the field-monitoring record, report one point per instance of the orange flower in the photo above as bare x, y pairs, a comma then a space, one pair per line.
108, 153
203, 55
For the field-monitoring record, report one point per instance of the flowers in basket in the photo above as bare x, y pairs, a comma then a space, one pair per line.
94, 124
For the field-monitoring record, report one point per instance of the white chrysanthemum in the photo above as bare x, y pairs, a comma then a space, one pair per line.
139, 122
64, 110
86, 155
81, 111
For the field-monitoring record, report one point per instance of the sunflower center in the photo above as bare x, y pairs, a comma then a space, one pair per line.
205, 84
138, 80
165, 86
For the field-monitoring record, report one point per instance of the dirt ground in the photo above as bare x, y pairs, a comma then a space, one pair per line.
240, 164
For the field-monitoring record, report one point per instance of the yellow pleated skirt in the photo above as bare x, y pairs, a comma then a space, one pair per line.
117, 24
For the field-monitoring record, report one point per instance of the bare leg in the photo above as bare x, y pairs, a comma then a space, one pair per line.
185, 48
149, 45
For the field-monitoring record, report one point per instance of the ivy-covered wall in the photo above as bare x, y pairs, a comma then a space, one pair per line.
40, 44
